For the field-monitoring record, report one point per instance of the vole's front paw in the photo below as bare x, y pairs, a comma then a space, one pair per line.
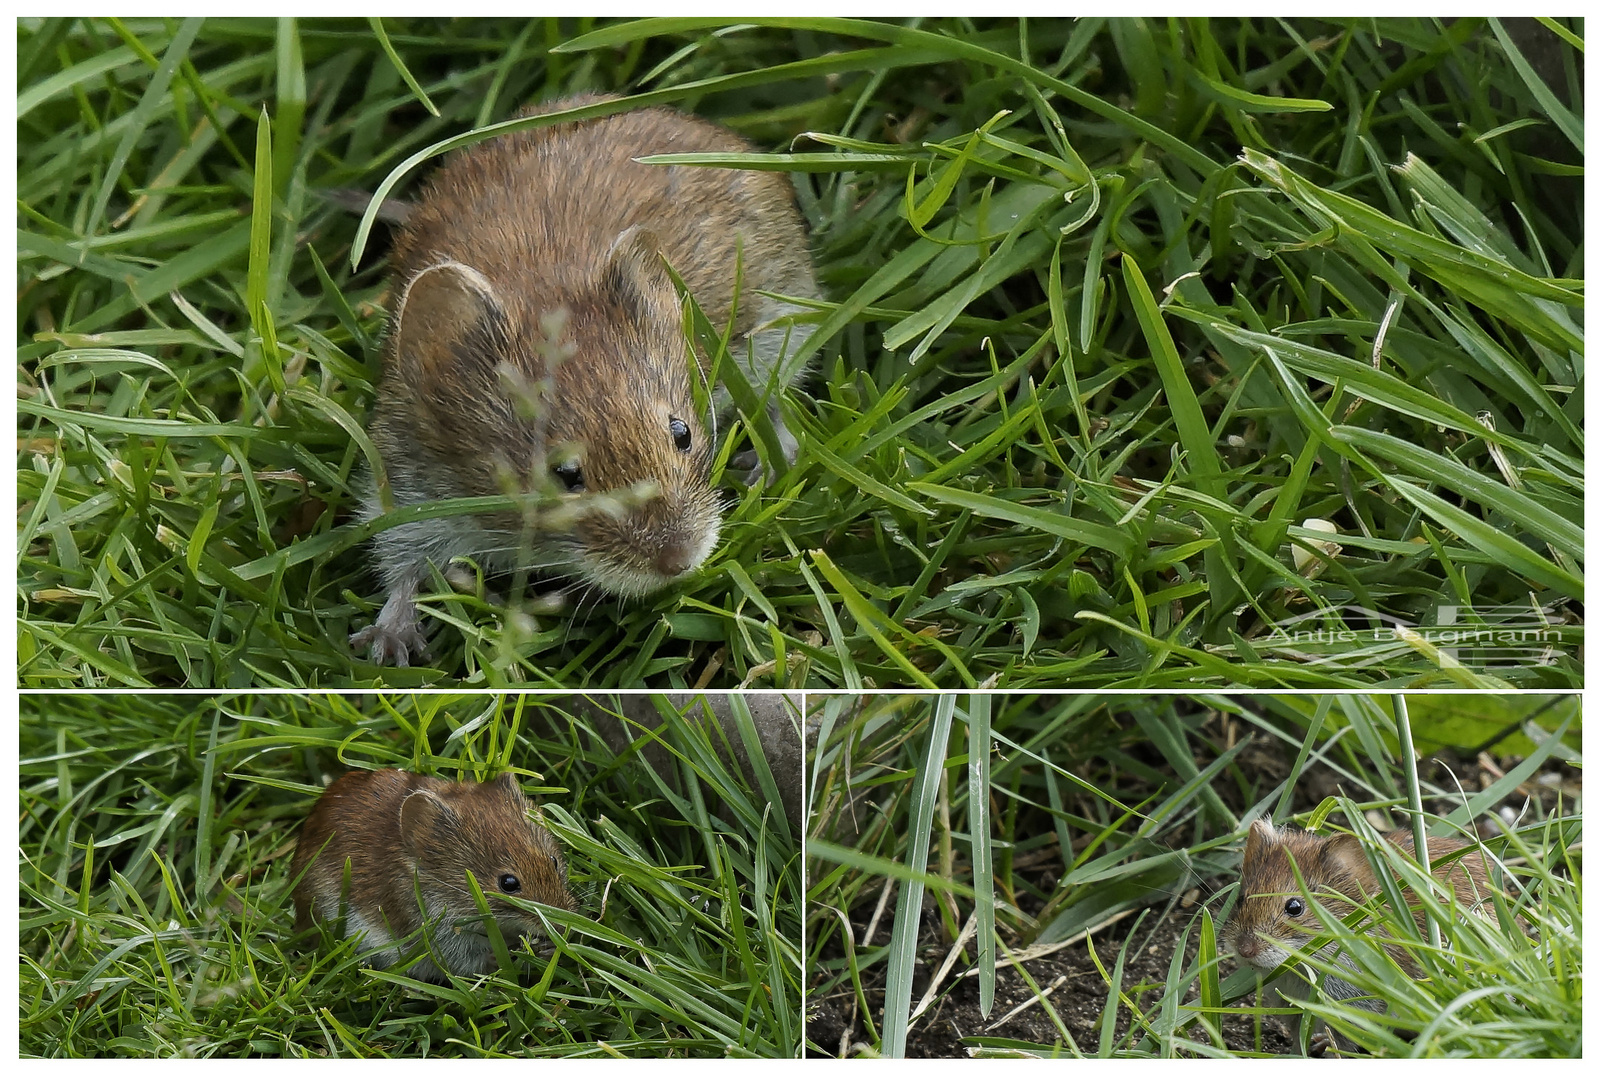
748, 466
390, 646
1319, 1045
750, 462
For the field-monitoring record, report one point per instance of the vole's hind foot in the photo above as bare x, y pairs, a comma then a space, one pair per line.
395, 637
390, 648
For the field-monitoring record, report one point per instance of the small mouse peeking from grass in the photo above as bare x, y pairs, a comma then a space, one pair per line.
477, 400
1287, 874
403, 837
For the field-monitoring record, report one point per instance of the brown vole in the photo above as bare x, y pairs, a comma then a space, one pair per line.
562, 218
1272, 913
403, 834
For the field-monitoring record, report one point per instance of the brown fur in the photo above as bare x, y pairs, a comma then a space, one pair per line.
1336, 871
537, 214
394, 827
562, 219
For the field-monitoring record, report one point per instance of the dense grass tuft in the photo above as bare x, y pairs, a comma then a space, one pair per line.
155, 848
1122, 309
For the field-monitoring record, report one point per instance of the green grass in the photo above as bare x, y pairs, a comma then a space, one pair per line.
1124, 805
1117, 307
1490, 989
156, 834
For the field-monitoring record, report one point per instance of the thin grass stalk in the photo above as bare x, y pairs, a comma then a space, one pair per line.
1415, 802
984, 885
909, 904
1315, 726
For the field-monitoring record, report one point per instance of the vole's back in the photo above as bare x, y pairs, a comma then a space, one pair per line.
537, 211
357, 819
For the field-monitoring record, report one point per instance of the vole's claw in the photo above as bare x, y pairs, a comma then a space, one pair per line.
395, 637
390, 648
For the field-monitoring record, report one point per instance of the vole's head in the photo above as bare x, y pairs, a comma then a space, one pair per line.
1272, 911
594, 404
484, 828
626, 423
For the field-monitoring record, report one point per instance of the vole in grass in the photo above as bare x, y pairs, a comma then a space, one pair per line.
477, 399
1272, 912
403, 834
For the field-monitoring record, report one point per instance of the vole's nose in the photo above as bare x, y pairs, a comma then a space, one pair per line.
674, 559
1247, 946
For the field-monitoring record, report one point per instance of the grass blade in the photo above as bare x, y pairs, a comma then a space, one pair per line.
909, 904
1569, 124
154, 95
400, 65
984, 888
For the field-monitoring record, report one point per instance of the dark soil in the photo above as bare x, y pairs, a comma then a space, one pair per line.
1078, 994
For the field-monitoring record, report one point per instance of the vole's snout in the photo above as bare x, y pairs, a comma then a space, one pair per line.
641, 556
675, 558
1247, 946
649, 546
673, 547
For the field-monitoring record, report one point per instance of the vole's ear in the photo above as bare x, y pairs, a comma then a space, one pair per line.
1258, 836
424, 816
439, 307
633, 274
1341, 857
507, 784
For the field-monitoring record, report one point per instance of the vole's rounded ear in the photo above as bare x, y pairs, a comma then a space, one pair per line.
634, 275
506, 783
1258, 835
440, 306
1343, 854
424, 815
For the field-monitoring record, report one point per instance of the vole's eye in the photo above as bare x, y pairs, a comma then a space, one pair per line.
1295, 906
571, 474
681, 433
556, 863
509, 883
